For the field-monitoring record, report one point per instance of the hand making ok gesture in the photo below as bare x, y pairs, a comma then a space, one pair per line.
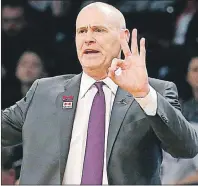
134, 76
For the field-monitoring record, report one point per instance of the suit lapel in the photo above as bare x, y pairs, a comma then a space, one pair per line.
122, 102
66, 118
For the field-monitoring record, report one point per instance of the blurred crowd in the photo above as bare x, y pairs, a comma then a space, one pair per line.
38, 40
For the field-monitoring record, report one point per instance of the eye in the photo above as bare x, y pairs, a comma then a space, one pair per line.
81, 31
98, 30
195, 69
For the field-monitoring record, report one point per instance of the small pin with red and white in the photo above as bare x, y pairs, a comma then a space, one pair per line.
67, 101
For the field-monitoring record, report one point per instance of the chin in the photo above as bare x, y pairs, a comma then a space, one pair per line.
92, 64
27, 81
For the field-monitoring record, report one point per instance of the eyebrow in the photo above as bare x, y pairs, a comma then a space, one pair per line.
94, 26
81, 28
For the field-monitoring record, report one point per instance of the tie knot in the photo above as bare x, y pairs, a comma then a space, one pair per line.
99, 86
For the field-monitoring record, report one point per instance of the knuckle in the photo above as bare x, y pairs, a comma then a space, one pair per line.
128, 54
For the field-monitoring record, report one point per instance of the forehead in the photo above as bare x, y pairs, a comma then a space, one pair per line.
194, 62
94, 16
12, 11
29, 58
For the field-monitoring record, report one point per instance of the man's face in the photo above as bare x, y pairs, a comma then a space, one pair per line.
29, 68
12, 20
192, 76
97, 39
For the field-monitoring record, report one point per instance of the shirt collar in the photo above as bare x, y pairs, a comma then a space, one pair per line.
87, 82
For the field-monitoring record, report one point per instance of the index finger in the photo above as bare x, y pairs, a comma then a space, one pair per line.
124, 45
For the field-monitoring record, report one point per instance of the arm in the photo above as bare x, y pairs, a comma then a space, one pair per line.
14, 117
174, 131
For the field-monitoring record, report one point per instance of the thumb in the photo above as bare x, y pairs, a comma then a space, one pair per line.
116, 66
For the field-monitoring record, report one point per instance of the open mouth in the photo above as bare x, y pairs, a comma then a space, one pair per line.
90, 51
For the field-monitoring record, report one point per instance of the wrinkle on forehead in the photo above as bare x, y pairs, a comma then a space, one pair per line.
115, 17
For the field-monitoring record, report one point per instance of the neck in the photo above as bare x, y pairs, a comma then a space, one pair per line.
24, 88
195, 93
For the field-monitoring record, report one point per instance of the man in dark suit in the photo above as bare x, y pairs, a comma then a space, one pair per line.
107, 125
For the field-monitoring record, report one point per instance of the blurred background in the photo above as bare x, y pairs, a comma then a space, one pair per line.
38, 40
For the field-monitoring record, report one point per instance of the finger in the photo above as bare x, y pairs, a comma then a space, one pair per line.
113, 74
116, 63
134, 44
142, 48
124, 44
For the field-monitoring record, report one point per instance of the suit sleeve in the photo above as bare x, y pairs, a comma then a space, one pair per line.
13, 118
176, 134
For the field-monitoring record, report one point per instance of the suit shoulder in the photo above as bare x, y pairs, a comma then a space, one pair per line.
158, 81
160, 85
55, 79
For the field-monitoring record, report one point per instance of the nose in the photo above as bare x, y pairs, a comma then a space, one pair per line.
89, 38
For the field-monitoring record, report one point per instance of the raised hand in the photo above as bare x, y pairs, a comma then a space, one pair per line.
134, 76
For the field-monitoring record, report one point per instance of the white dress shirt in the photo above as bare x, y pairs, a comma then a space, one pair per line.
74, 166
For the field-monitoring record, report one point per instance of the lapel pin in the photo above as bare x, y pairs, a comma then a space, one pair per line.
68, 98
67, 101
67, 104
123, 101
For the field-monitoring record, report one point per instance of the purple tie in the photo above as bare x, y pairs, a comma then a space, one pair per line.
94, 153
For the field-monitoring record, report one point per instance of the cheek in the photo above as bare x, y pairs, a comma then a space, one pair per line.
113, 47
113, 42
36, 72
79, 43
20, 70
193, 75
191, 78
20, 73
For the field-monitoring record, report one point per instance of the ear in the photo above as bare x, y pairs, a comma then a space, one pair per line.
127, 34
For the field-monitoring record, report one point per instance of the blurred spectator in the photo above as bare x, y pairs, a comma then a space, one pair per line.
179, 171
13, 21
30, 67
56, 19
190, 107
171, 43
181, 28
186, 27
18, 36
185, 171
